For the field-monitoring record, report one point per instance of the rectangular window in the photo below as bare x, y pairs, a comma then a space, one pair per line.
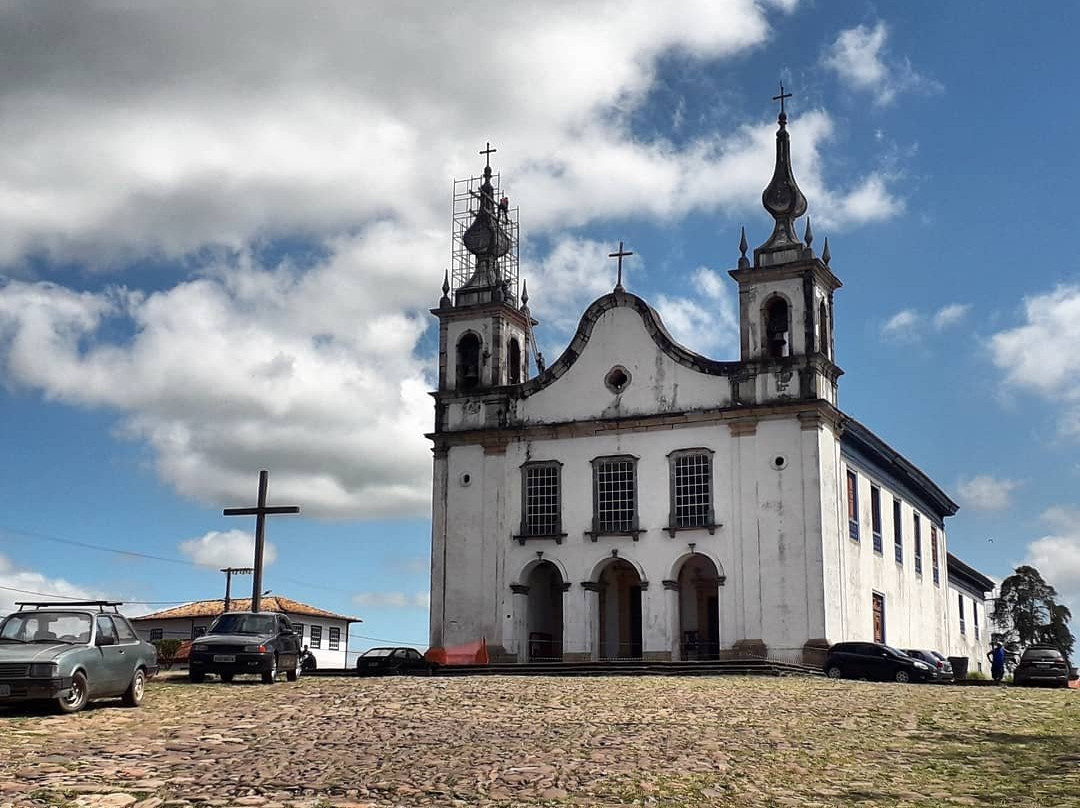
853, 505
963, 625
198, 631
691, 489
615, 495
316, 637
918, 545
879, 617
334, 640
541, 514
875, 516
898, 531
299, 629
975, 617
156, 634
934, 555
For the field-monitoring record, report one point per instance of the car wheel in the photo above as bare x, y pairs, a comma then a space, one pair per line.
196, 677
226, 677
834, 672
902, 676
134, 694
269, 676
294, 674
75, 700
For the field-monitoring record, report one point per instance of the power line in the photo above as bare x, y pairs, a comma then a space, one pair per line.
383, 639
79, 597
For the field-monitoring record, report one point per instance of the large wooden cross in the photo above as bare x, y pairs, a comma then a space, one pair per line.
260, 512
620, 254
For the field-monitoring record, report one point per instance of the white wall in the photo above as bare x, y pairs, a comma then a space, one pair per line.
971, 644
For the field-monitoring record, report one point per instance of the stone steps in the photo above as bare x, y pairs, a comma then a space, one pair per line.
618, 667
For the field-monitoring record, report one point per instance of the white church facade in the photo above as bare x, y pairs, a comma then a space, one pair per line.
637, 500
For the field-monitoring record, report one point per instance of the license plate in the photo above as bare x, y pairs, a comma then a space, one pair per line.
1042, 664
224, 658
5, 690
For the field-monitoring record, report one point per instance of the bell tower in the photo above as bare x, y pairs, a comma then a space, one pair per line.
485, 328
786, 297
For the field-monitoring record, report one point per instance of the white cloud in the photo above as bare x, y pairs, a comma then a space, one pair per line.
230, 548
18, 584
134, 135
910, 325
859, 56
707, 322
392, 600
986, 493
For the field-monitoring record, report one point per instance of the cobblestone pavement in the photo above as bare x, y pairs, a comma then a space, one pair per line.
514, 741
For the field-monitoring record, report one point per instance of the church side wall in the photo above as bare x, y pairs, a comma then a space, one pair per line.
974, 641
915, 607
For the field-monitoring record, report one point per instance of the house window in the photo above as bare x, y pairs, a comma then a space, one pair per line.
334, 640
691, 489
299, 629
934, 555
513, 356
197, 632
614, 494
541, 513
776, 328
823, 329
853, 505
157, 634
918, 545
316, 637
468, 362
963, 625
879, 617
898, 531
975, 618
875, 516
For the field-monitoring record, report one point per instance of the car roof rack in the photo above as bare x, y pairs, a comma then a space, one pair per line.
101, 604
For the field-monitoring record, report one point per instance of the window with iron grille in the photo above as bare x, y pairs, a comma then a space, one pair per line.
975, 618
614, 494
156, 634
334, 640
898, 531
934, 554
691, 489
918, 545
963, 625
853, 505
299, 629
541, 512
875, 517
316, 637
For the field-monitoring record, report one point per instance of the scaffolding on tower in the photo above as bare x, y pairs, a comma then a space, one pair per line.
462, 262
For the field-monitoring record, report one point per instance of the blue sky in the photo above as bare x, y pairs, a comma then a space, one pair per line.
219, 238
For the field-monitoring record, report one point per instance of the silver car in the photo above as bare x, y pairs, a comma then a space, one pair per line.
70, 653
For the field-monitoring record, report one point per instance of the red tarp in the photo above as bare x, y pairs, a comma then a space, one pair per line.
472, 653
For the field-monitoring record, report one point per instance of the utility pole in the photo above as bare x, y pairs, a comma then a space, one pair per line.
260, 512
229, 573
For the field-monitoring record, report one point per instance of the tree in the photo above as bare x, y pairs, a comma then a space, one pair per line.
1027, 612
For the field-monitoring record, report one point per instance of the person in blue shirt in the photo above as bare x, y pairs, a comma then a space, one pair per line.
997, 661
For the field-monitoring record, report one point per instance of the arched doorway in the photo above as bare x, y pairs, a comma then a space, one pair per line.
620, 611
699, 608
545, 613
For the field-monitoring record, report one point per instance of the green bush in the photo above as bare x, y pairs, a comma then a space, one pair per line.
166, 651
978, 676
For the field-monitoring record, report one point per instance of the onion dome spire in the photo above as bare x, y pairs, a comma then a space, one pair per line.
487, 237
782, 197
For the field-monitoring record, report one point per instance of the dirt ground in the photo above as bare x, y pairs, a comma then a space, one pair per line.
530, 741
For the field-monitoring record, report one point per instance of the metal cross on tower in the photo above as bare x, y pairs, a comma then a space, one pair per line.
620, 254
488, 152
260, 512
781, 98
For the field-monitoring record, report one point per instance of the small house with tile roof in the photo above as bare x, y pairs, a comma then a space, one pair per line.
325, 633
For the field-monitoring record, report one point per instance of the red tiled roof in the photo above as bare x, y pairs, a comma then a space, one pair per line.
270, 603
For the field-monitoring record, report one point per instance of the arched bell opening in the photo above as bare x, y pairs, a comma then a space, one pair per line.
468, 362
619, 612
777, 328
545, 613
699, 608
513, 361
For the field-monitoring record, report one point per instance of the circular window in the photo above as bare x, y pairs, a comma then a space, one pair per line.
465, 479
617, 379
779, 462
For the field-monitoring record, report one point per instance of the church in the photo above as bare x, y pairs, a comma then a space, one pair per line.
636, 500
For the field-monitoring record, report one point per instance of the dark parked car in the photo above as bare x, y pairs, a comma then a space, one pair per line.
263, 643
388, 661
942, 668
873, 660
71, 653
1042, 665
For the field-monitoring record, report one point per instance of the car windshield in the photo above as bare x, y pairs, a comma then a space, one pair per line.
46, 627
244, 624
1042, 653
893, 652
378, 652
